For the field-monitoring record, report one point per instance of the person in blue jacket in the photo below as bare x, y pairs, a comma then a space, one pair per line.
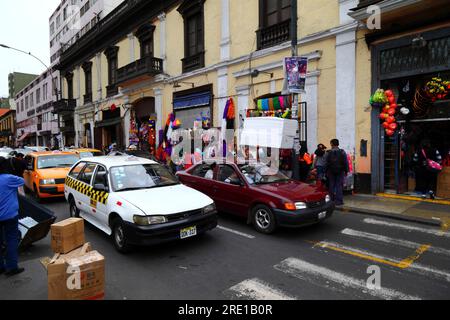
9, 220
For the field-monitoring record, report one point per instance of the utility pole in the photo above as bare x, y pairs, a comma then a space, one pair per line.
295, 96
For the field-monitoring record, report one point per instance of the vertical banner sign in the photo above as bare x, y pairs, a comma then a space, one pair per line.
295, 73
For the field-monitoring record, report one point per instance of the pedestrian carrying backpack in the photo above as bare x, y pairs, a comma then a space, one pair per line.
336, 161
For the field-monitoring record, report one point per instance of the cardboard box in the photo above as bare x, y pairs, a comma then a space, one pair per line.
443, 183
79, 275
67, 235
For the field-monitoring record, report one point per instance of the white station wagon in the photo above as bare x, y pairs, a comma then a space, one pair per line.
136, 201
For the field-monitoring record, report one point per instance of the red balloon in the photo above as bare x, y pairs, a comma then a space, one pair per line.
389, 132
392, 111
383, 116
389, 93
386, 125
391, 100
393, 126
394, 105
390, 119
386, 108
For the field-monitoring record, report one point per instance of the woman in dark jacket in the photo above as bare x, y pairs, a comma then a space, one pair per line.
426, 181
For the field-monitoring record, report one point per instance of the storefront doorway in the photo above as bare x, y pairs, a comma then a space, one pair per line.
424, 130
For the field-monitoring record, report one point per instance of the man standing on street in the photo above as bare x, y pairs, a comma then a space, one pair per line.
337, 168
9, 221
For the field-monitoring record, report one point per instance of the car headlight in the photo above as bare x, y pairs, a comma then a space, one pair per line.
300, 205
209, 209
327, 198
47, 181
146, 221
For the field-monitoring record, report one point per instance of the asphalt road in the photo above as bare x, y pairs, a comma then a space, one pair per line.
326, 261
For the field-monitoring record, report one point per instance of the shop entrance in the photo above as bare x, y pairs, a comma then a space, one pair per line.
424, 133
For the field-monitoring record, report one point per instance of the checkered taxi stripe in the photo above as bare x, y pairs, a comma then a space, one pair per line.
81, 187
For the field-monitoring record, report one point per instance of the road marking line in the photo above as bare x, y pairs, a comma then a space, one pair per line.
236, 232
368, 256
414, 266
381, 238
304, 270
407, 227
256, 289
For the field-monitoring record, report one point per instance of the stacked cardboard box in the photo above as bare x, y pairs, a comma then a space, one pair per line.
75, 272
443, 184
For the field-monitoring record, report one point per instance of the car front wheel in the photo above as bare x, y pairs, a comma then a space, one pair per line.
74, 211
119, 237
263, 219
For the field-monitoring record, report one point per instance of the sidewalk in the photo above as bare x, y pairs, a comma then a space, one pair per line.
424, 212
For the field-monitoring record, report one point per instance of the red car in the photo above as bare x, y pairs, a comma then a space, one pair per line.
265, 197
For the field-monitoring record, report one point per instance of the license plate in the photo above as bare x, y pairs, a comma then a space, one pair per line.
188, 232
322, 215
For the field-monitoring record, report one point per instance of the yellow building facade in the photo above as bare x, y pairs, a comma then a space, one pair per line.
237, 38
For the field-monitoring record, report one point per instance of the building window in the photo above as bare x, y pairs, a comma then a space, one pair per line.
194, 34
26, 103
31, 100
112, 56
145, 36
52, 28
38, 96
58, 21
21, 105
87, 67
274, 22
65, 14
69, 79
44, 92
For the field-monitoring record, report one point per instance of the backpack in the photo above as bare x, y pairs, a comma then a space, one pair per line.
336, 161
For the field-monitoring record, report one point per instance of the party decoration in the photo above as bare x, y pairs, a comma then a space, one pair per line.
386, 100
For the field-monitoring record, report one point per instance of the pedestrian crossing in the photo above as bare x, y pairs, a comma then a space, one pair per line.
355, 249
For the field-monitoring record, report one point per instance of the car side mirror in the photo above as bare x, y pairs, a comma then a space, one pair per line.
100, 187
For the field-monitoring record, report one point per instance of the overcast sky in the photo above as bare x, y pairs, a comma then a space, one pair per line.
24, 25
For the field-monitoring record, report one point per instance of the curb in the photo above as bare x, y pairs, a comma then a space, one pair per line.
395, 216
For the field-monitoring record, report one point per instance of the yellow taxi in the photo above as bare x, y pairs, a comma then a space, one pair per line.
87, 152
46, 172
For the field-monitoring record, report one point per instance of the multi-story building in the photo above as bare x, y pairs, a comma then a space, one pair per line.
70, 21
16, 82
7, 127
38, 120
148, 59
36, 124
4, 103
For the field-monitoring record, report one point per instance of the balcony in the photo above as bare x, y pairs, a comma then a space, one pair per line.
194, 62
67, 129
400, 16
139, 70
274, 35
64, 106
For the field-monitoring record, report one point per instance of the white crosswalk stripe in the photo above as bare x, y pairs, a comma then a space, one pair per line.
407, 227
256, 289
314, 274
416, 267
392, 241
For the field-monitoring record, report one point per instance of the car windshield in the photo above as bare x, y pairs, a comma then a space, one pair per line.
61, 161
142, 176
261, 174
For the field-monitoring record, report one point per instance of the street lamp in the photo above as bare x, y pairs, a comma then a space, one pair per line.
32, 55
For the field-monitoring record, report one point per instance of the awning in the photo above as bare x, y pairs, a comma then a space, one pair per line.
193, 100
23, 137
